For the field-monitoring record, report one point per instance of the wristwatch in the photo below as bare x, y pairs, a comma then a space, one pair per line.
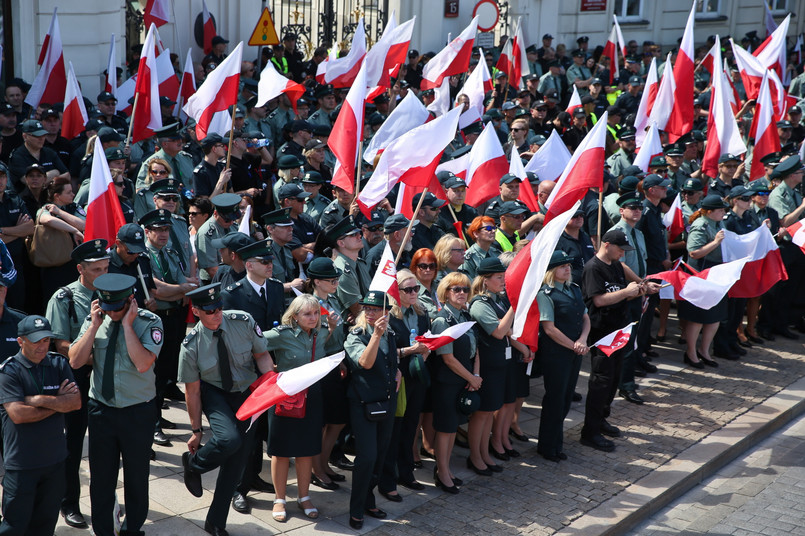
198, 430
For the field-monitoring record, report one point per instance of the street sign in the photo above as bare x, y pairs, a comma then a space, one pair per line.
488, 15
264, 33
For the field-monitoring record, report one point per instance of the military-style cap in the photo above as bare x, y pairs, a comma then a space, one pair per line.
790, 165
493, 114
314, 144
342, 228
771, 159
692, 184
299, 125
468, 402
33, 127
132, 237
312, 177
501, 74
218, 40
292, 190
6, 109
491, 265
239, 112
90, 251
210, 140
114, 153
738, 191
713, 202
547, 36
537, 139
156, 218
34, 328
428, 93
114, 290
429, 201
511, 207
257, 250
105, 96
375, 119
473, 128
375, 298
226, 203
627, 133
171, 131
35, 167
628, 184
166, 101
578, 53
531, 49
617, 237
324, 90
635, 81
630, 199
281, 217
728, 157
375, 219
395, 222
785, 123
508, 178
206, 298
288, 161
598, 81
674, 149
454, 182
655, 180
3, 169
50, 112
93, 124
323, 268
795, 110
560, 258
582, 39
444, 176
108, 134
508, 105
759, 186
165, 187
250, 83
658, 161
232, 241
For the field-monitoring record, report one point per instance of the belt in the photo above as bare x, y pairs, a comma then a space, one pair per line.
173, 311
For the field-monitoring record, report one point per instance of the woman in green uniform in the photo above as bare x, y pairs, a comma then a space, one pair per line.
482, 231
423, 265
449, 252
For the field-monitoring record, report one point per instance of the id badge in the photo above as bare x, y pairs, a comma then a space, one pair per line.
508, 352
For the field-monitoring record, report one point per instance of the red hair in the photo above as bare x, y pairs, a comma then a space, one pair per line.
479, 222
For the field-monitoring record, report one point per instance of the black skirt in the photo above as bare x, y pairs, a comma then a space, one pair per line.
446, 417
296, 438
334, 398
691, 313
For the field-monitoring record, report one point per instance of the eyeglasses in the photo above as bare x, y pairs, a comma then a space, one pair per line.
426, 265
332, 281
460, 290
265, 262
209, 313
457, 250
158, 172
409, 290
120, 183
170, 198
374, 228
519, 129
634, 207
745, 198
661, 170
688, 192
191, 214
489, 228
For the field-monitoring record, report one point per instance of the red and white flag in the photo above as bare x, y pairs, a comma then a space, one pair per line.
486, 166
706, 288
441, 101
475, 87
146, 114
681, 120
435, 341
764, 267
168, 81
272, 84
752, 73
763, 130
209, 27
75, 114
343, 72
772, 52
187, 88
125, 92
585, 170
347, 133
409, 114
575, 101
797, 232
513, 60
664, 103
386, 56
110, 85
104, 215
525, 274
646, 103
272, 388
157, 12
614, 42
674, 219
709, 58
609, 344
209, 106
51, 79
452, 59
550, 160
651, 147
385, 279
527, 194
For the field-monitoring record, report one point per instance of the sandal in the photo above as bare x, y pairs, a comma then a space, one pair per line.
311, 513
279, 516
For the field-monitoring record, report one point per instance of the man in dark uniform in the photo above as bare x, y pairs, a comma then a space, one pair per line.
338, 209
510, 228
123, 342
126, 257
629, 100
233, 267
218, 52
210, 176
355, 279
66, 311
301, 132
33, 151
279, 226
576, 243
217, 382
227, 210
509, 185
53, 139
106, 106
456, 190
36, 390
426, 233
9, 318
305, 228
394, 232
372, 231
727, 168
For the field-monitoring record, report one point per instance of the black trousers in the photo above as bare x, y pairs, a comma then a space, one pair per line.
31, 500
226, 449
75, 425
371, 444
727, 334
116, 433
777, 306
631, 357
254, 458
399, 463
166, 368
604, 374
560, 369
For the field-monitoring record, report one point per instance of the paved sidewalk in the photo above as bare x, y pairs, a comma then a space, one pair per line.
692, 424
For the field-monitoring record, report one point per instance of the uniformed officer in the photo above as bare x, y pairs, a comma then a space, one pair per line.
170, 141
289, 166
123, 342
455, 209
394, 228
281, 116
509, 187
426, 232
165, 194
9, 318
726, 179
36, 390
227, 210
301, 132
126, 257
627, 184
625, 155
66, 311
508, 232
629, 100
233, 268
578, 74
355, 279
217, 365
305, 228
338, 208
210, 176
312, 182
280, 226
325, 95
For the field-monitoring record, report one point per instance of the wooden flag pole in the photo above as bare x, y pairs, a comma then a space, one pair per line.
131, 120
231, 135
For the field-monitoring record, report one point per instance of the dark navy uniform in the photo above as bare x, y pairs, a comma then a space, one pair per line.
117, 266
333, 213
206, 177
265, 311
305, 228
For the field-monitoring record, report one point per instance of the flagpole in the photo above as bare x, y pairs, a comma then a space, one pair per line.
358, 169
600, 209
131, 120
410, 226
455, 219
231, 135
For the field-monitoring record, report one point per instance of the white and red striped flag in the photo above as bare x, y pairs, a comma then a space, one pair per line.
664, 103
609, 344
575, 101
157, 12
651, 147
51, 80
209, 27
487, 165
764, 267
614, 42
347, 134
385, 279
772, 52
436, 341
407, 115
125, 92
146, 115
343, 72
647, 100
110, 85
452, 59
674, 219
272, 84
550, 160
681, 120
209, 106
104, 214
166, 76
752, 73
763, 130
797, 232
75, 114
475, 87
706, 288
387, 55
517, 169
187, 88
513, 60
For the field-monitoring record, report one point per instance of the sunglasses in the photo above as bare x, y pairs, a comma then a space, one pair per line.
191, 214
409, 290
688, 192
460, 290
489, 228
265, 262
661, 170
745, 198
762, 193
120, 183
426, 265
170, 198
519, 129
214, 311
158, 172
375, 228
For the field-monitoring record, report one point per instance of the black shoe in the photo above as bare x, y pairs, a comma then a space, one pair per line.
651, 353
495, 468
609, 430
457, 481
502, 456
425, 454
738, 350
598, 442
377, 513
413, 485
640, 373
336, 477
393, 498
745, 344
161, 439
631, 396
343, 463
512, 453
258, 484
708, 362
522, 437
694, 364
550, 457
648, 367
482, 472
439, 484
765, 333
756, 340
174, 393
787, 333
192, 478
576, 397
166, 424
316, 481
153, 455
239, 503
660, 338
562, 456
356, 524
215, 531
74, 518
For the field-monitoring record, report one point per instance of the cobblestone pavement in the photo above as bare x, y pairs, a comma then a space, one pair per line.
532, 496
762, 492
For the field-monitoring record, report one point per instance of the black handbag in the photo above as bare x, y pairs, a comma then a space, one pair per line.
376, 411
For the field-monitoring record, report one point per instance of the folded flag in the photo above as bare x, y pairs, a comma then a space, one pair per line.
445, 337
609, 344
764, 265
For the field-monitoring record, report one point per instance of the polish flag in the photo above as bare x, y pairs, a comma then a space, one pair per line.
475, 87
681, 119
411, 159
451, 334
347, 132
272, 388
651, 148
209, 27
723, 135
209, 106
125, 92
513, 60
51, 80
272, 84
526, 272
797, 233
110, 85
168, 81
575, 101
441, 101
385, 279
187, 88
386, 56
487, 165
706, 288
75, 114
765, 266
674, 220
550, 160
614, 42
609, 344
157, 12
343, 72
146, 115
707, 62
735, 99
585, 170
752, 73
646, 102
764, 130
772, 52
768, 20
407, 115
664, 103
527, 194
452, 59
104, 215
245, 223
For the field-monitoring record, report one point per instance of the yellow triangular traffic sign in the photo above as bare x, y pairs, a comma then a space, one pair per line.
264, 33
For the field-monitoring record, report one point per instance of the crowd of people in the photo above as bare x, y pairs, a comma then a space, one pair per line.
194, 300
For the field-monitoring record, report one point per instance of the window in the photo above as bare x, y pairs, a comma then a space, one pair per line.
778, 6
708, 8
629, 10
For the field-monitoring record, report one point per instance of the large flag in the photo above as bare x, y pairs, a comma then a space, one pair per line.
434, 342
271, 388
797, 232
272, 84
146, 114
763, 130
104, 215
386, 56
609, 344
651, 147
527, 194
752, 73
674, 219
706, 288
452, 59
166, 76
51, 80
209, 27
385, 279
75, 114
585, 170
343, 72
347, 133
441, 102
681, 120
187, 88
526, 272
664, 103
209, 106
647, 99
768, 20
406, 116
764, 267
475, 87
550, 160
772, 52
110, 86
486, 166
125, 92
157, 12
513, 60
614, 42
574, 102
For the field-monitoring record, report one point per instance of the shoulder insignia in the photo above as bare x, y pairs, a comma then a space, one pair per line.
189, 336
329, 209
347, 269
547, 290
238, 316
282, 327
156, 335
211, 231
257, 330
198, 168
356, 331
275, 280
4, 363
60, 294
232, 287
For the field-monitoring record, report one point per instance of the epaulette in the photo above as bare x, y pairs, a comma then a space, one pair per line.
238, 315
233, 286
273, 114
330, 209
467, 255
275, 280
4, 363
211, 231
283, 327
60, 294
356, 331
189, 336
145, 313
198, 167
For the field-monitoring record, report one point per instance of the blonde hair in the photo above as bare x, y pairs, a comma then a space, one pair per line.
403, 275
299, 304
450, 280
550, 277
442, 249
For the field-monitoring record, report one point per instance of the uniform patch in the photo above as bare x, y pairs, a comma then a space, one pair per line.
257, 330
156, 335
